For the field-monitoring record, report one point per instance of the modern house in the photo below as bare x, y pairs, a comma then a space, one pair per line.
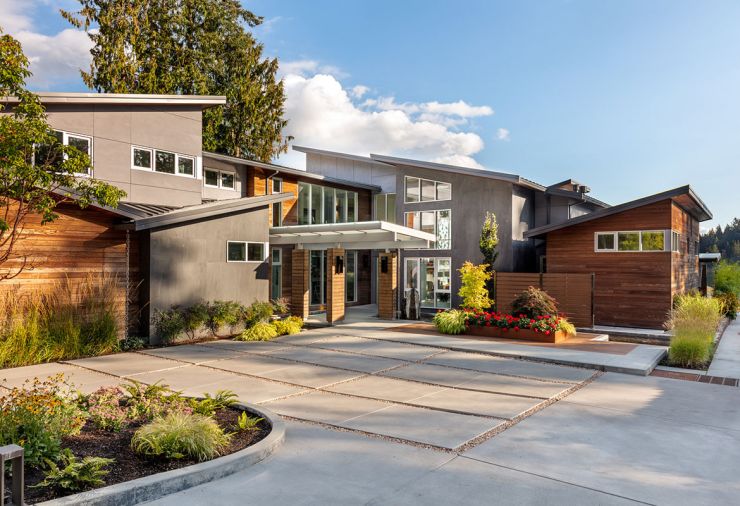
348, 230
641, 252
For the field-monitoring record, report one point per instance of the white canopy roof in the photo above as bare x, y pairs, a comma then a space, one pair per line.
358, 235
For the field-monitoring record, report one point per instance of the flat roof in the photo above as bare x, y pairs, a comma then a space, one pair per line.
63, 97
356, 158
291, 171
360, 234
684, 196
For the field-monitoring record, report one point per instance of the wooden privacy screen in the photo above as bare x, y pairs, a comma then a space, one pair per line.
574, 292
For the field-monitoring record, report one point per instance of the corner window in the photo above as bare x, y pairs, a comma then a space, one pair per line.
225, 180
243, 251
653, 240
675, 241
605, 241
628, 241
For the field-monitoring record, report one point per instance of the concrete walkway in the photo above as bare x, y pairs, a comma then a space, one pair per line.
376, 421
726, 361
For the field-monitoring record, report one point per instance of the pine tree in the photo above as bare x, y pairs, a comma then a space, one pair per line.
190, 47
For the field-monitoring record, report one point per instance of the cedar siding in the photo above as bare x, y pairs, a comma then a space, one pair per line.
685, 262
631, 289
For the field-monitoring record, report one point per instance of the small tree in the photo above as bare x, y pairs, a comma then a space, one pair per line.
473, 286
37, 173
488, 244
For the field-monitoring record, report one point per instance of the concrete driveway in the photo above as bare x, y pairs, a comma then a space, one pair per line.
376, 421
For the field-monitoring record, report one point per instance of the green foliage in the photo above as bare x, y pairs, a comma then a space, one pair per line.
725, 241
34, 163
74, 475
450, 322
37, 416
473, 289
195, 317
727, 277
694, 321
224, 312
281, 306
488, 243
178, 435
534, 302
260, 331
248, 423
168, 324
69, 321
288, 326
105, 409
730, 304
210, 404
567, 327
258, 312
199, 47
150, 401
131, 343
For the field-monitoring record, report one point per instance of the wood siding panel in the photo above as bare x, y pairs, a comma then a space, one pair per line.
685, 263
631, 289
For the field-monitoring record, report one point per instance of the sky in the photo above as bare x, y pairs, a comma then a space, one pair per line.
628, 97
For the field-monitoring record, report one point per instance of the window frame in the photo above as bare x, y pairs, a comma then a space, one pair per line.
435, 185
153, 158
279, 265
305, 201
65, 142
436, 213
265, 252
675, 242
422, 261
353, 254
219, 173
639, 249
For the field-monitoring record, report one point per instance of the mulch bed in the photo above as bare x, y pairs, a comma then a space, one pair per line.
129, 465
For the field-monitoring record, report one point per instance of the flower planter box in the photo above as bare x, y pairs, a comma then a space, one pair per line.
526, 334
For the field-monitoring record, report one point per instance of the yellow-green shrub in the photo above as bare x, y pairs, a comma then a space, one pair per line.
178, 435
288, 326
473, 289
450, 322
694, 321
260, 331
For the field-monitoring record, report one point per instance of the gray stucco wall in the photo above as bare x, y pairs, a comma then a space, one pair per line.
187, 263
472, 196
115, 128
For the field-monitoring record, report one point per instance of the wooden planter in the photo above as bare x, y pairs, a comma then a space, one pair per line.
526, 334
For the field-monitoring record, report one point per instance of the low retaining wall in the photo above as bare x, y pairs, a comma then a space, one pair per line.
158, 485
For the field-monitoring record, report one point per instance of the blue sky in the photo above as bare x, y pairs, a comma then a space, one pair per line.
630, 97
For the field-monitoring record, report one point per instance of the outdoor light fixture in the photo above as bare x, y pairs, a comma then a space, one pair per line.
384, 264
338, 264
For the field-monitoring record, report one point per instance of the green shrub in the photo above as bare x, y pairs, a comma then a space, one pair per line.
195, 317
695, 316
727, 277
208, 405
75, 475
248, 423
257, 312
37, 416
534, 302
473, 290
169, 324
288, 326
150, 401
131, 343
281, 306
567, 327
730, 304
260, 331
179, 435
71, 320
689, 351
450, 322
105, 408
224, 312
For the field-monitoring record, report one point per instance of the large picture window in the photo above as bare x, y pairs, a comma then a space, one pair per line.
631, 241
438, 223
432, 278
426, 190
385, 207
320, 204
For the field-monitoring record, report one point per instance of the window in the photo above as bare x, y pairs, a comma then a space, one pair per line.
426, 190
432, 278
653, 240
642, 240
277, 185
628, 241
605, 241
223, 179
437, 223
242, 251
317, 272
277, 273
142, 158
350, 276
165, 162
675, 241
319, 204
53, 156
385, 207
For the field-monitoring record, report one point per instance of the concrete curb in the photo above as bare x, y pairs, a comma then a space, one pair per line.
159, 485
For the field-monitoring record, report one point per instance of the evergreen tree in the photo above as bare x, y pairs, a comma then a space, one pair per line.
190, 47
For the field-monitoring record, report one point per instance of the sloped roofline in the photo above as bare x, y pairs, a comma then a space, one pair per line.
325, 152
705, 213
64, 97
291, 171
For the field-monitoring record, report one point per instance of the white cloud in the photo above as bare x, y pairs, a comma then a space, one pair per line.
322, 114
359, 90
55, 59
503, 134
310, 67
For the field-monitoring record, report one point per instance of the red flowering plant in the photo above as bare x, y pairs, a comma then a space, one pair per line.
547, 324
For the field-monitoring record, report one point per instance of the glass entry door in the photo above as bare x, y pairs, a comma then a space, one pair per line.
317, 278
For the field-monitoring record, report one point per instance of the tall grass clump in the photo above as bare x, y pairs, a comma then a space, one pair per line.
694, 321
727, 277
71, 320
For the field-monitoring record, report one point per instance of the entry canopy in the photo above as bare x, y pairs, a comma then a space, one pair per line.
358, 235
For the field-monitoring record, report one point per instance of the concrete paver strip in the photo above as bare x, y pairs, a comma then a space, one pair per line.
500, 365
309, 375
478, 403
190, 379
192, 353
325, 407
424, 426
376, 347
126, 364
726, 361
385, 388
338, 359
626, 454
250, 364
255, 347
